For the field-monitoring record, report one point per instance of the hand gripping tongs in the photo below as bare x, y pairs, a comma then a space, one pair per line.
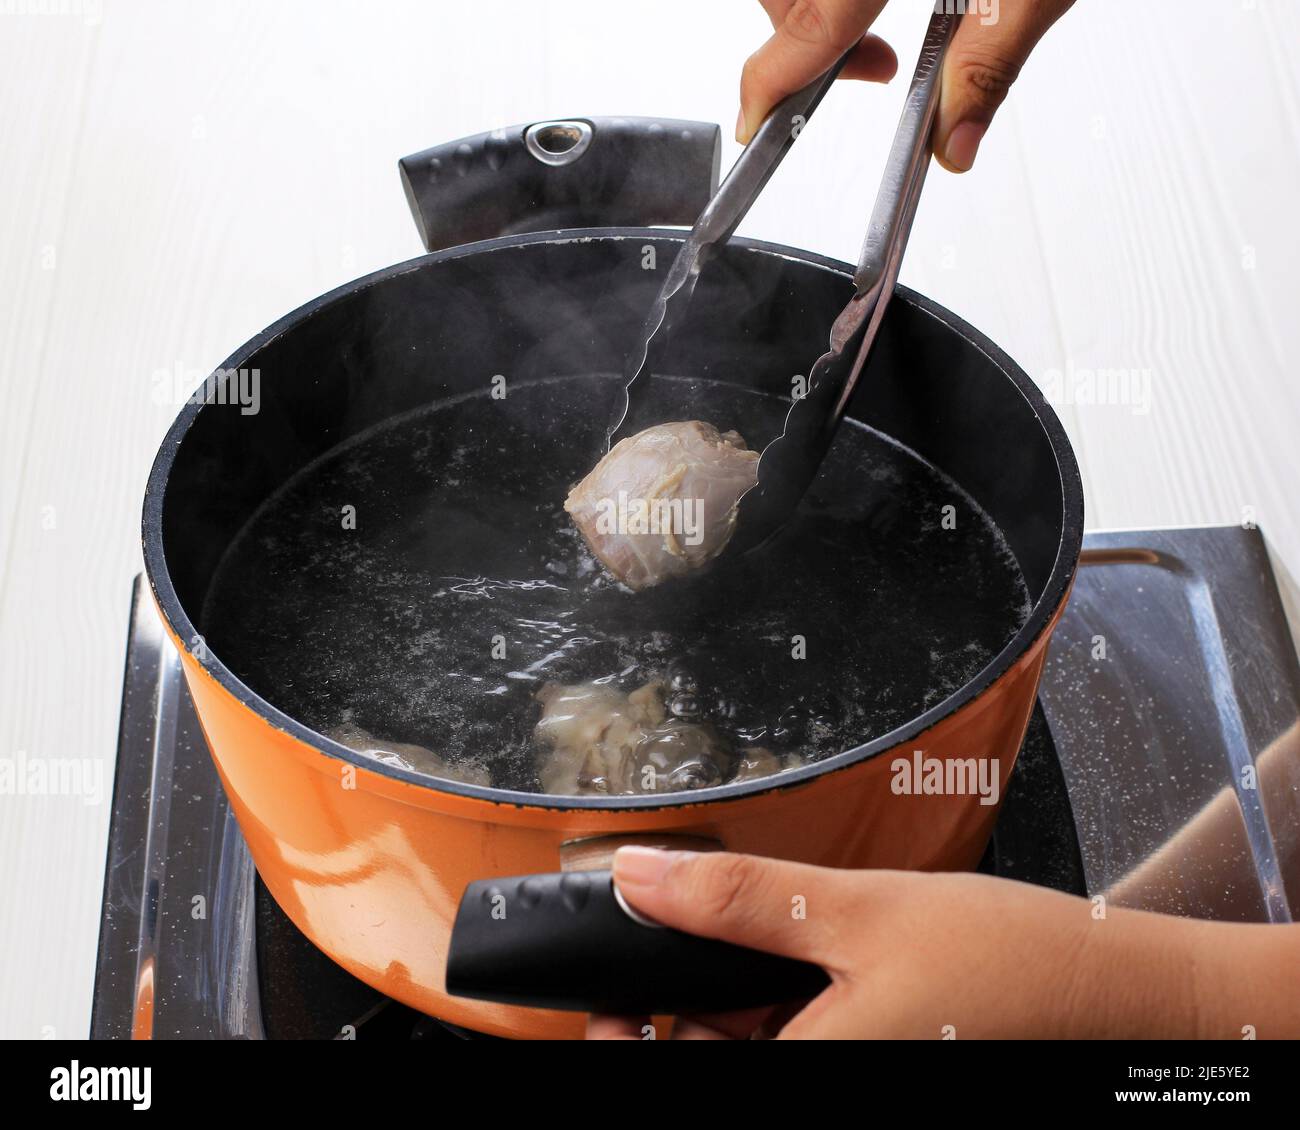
789, 463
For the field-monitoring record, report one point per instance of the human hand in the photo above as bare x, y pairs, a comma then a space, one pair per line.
991, 44
915, 955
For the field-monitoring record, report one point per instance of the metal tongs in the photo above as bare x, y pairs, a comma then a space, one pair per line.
790, 462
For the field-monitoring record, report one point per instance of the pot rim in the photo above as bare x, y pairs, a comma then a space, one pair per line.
1040, 618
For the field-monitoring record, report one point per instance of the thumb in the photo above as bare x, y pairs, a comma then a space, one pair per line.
983, 61
766, 904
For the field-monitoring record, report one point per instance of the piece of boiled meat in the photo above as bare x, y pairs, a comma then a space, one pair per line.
662, 503
598, 740
403, 755
588, 730
756, 762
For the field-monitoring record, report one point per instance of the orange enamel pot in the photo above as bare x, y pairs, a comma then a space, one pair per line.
370, 861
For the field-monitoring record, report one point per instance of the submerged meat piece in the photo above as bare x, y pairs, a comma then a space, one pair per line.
676, 756
402, 755
590, 729
662, 503
757, 761
598, 740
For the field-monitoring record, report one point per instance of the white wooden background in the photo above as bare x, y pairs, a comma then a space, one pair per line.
176, 175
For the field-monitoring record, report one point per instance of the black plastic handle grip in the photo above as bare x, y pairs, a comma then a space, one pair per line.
564, 941
570, 173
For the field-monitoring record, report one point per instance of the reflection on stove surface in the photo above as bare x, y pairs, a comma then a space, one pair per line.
1172, 690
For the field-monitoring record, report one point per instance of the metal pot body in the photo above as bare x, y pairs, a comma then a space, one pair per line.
370, 862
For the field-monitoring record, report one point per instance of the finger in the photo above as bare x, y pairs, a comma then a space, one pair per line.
810, 35
873, 60
816, 1021
983, 61
721, 1025
767, 904
602, 1027
777, 1019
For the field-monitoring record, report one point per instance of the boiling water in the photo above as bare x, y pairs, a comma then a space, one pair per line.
422, 582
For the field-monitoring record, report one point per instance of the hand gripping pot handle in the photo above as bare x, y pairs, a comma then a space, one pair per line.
568, 941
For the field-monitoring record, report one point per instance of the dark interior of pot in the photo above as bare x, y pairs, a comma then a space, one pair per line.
379, 549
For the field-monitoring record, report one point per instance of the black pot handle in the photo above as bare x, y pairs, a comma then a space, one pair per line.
567, 941
571, 173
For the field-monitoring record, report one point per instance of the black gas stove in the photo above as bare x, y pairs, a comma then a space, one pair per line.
1171, 672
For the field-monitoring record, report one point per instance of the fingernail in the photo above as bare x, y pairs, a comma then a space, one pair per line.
742, 130
963, 144
642, 866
